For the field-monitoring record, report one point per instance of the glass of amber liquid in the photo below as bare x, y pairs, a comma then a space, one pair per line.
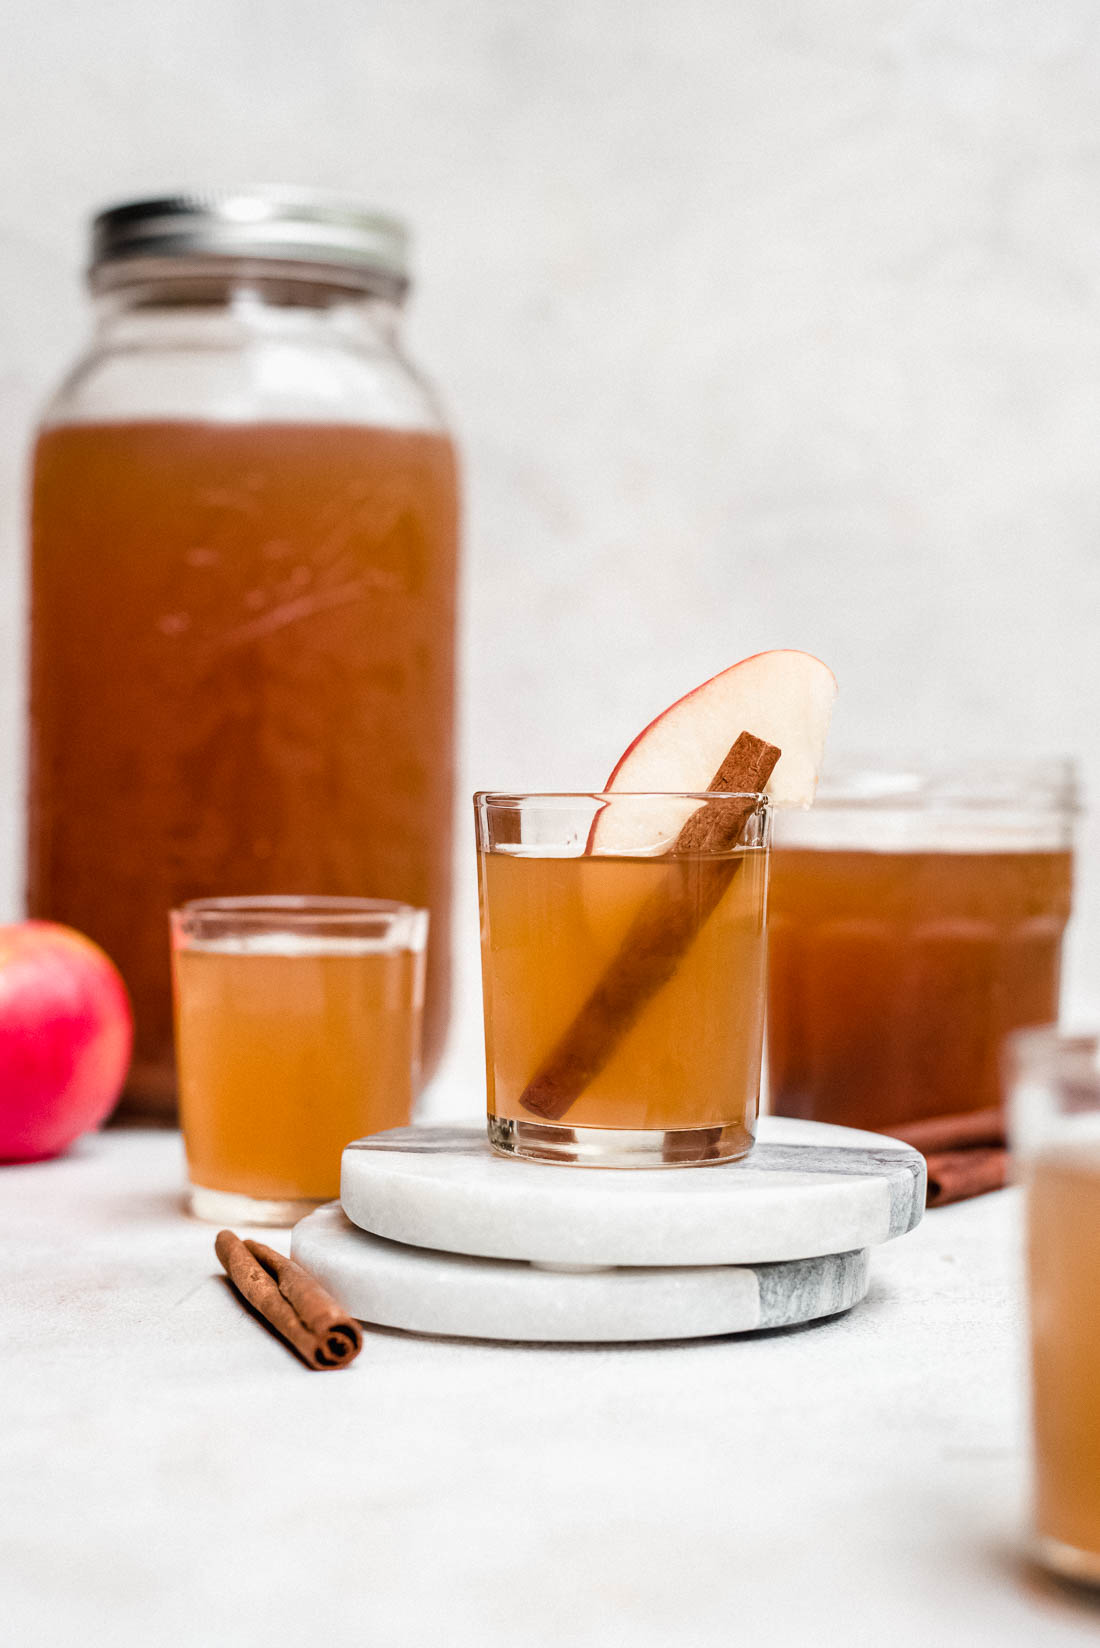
916, 919
623, 969
1055, 1102
297, 1030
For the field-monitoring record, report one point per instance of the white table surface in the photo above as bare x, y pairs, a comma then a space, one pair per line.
170, 1475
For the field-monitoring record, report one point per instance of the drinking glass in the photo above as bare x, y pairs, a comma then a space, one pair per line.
1055, 1113
297, 1030
623, 975
916, 917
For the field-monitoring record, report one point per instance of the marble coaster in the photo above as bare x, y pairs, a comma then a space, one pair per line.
805, 1190
428, 1292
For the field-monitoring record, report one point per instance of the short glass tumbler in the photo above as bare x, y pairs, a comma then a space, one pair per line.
298, 1024
916, 918
1055, 1112
623, 967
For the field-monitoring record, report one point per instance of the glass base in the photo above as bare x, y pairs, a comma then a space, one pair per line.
1067, 1561
226, 1207
620, 1146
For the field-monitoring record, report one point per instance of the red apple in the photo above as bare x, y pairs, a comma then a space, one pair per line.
783, 696
66, 1031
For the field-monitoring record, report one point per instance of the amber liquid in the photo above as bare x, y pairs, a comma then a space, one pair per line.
691, 1058
287, 1051
894, 977
242, 682
1064, 1262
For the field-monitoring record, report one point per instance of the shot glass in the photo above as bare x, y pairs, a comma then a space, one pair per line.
1055, 1117
623, 975
297, 1030
916, 919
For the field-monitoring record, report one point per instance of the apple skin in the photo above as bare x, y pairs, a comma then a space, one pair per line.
66, 1031
784, 695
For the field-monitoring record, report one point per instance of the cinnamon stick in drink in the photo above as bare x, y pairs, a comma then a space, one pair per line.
660, 934
291, 1301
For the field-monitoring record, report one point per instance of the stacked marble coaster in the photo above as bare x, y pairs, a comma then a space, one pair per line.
436, 1234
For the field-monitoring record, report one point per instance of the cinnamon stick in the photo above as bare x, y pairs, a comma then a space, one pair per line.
966, 1130
954, 1175
291, 1301
661, 933
966, 1152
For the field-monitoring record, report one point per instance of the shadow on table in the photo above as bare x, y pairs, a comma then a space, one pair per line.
1069, 1597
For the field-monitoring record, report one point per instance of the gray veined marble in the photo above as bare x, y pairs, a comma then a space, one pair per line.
905, 1177
800, 1290
423, 1291
805, 1191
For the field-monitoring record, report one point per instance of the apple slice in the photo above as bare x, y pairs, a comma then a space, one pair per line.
784, 696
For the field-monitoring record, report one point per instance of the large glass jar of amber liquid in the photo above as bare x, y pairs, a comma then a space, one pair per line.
243, 591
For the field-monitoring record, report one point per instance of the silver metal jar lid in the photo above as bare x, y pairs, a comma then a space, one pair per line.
288, 226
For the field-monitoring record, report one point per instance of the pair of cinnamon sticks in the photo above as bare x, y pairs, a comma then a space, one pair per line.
967, 1154
291, 1301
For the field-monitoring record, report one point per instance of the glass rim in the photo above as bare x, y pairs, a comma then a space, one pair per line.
510, 798
909, 782
292, 909
1051, 1045
1053, 1079
1032, 801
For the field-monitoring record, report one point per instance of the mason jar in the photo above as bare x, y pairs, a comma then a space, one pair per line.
243, 566
916, 918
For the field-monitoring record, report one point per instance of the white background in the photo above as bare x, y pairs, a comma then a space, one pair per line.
760, 324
